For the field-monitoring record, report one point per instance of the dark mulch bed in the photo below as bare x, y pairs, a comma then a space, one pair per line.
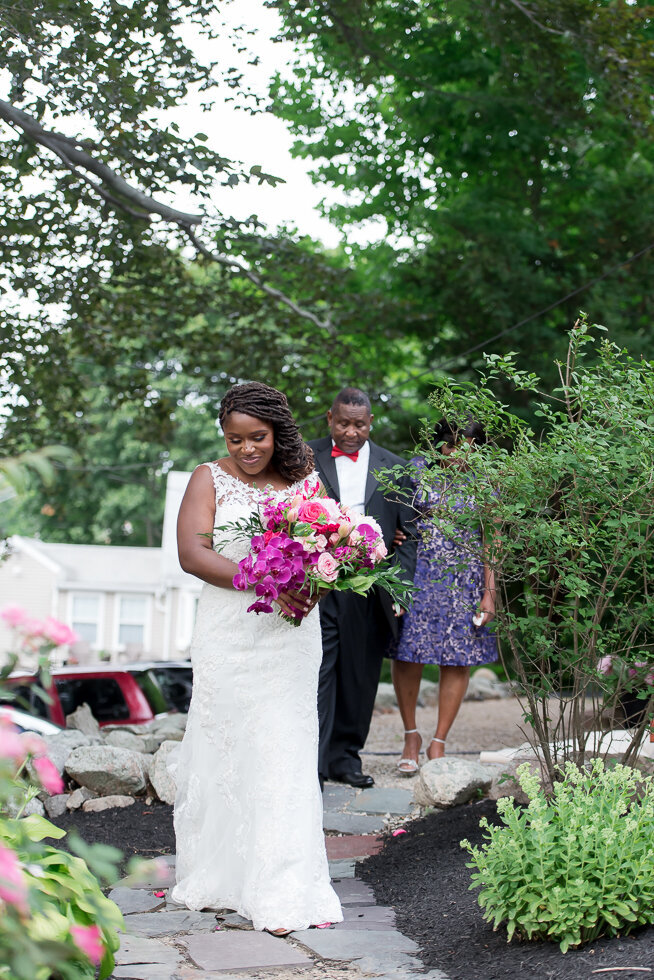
137, 829
422, 874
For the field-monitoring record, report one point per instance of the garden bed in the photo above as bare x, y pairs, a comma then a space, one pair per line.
423, 875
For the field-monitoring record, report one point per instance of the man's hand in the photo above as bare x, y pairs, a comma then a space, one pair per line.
399, 537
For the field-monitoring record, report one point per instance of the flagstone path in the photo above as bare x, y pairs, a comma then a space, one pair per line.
164, 942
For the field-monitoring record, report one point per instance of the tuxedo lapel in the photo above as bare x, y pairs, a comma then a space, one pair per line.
374, 463
327, 466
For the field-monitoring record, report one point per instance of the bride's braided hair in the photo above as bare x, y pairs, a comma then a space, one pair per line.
292, 458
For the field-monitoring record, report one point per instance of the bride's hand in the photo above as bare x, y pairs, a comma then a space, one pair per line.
293, 602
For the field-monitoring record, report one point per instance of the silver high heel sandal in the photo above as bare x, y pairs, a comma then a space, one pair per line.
409, 767
434, 739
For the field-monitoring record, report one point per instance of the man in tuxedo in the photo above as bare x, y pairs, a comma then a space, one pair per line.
356, 629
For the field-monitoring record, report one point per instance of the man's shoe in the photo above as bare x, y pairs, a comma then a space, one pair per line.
359, 780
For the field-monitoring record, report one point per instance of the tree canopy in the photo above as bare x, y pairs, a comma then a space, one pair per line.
507, 149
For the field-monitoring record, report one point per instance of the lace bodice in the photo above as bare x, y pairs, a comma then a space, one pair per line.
235, 500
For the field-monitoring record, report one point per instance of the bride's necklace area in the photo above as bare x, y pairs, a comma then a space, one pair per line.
252, 482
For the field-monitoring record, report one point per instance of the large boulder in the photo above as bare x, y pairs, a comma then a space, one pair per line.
109, 771
161, 776
126, 740
505, 780
450, 781
485, 686
169, 728
62, 744
82, 719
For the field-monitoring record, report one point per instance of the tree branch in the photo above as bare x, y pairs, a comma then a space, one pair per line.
528, 14
233, 263
67, 150
134, 202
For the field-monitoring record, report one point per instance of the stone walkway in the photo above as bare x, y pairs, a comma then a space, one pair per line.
164, 942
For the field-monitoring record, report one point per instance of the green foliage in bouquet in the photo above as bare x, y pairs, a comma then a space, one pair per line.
573, 868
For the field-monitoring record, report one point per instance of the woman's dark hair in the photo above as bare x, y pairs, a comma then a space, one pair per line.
292, 458
445, 432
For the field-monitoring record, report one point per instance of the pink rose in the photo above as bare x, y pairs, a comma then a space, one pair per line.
88, 939
355, 537
13, 886
344, 528
313, 512
334, 538
13, 616
58, 633
321, 542
48, 775
380, 552
327, 567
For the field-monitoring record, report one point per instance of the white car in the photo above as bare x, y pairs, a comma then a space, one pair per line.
28, 723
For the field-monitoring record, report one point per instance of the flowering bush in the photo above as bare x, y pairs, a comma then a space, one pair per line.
311, 543
53, 915
573, 868
54, 918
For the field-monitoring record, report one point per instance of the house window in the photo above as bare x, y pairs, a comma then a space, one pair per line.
132, 620
85, 616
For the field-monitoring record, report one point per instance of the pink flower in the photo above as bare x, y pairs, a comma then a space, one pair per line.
32, 627
380, 552
13, 886
321, 542
13, 616
344, 528
48, 775
313, 512
291, 515
327, 567
33, 744
605, 665
12, 745
334, 538
87, 938
58, 633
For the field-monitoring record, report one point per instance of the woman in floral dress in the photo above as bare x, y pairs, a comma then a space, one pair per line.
452, 588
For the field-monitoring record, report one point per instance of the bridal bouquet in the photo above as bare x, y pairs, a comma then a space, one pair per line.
312, 543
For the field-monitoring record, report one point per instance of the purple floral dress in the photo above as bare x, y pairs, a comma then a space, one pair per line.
438, 628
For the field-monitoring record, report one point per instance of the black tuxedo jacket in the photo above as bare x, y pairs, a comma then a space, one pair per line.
389, 510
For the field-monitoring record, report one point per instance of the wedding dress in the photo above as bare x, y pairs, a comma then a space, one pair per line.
248, 810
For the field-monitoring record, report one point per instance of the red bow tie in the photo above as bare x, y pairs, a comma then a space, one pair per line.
339, 452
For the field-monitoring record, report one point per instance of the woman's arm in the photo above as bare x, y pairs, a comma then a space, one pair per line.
196, 519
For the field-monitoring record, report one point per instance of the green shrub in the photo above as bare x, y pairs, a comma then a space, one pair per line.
568, 520
573, 868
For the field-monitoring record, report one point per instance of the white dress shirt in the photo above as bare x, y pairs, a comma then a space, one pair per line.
352, 478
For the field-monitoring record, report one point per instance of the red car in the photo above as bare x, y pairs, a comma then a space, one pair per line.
113, 696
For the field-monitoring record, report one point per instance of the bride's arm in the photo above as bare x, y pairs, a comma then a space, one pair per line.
196, 519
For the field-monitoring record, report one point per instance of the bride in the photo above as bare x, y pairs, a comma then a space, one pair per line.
248, 810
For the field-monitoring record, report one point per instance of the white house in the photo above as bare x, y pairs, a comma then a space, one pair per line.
124, 603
